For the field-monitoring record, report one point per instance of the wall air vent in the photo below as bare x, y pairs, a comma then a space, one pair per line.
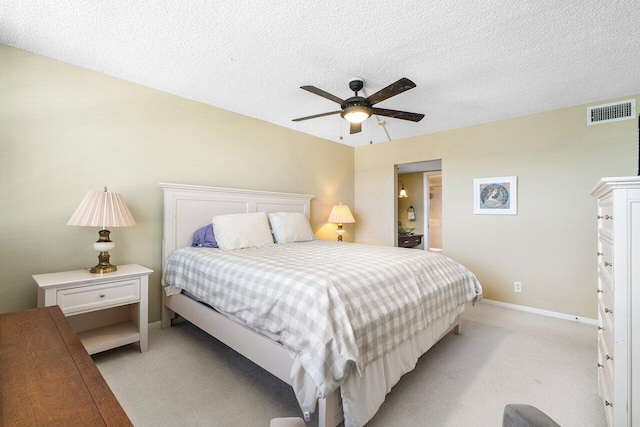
613, 112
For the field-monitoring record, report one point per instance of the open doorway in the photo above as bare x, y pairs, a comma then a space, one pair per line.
418, 213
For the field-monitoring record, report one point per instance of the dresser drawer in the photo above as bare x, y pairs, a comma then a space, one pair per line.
605, 252
88, 298
606, 385
605, 213
605, 279
606, 364
605, 330
605, 304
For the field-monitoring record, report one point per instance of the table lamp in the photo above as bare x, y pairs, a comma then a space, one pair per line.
340, 214
102, 209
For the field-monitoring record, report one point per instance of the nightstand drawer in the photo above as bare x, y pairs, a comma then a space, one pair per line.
88, 298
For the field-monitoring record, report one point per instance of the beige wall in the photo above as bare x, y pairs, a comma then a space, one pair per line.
550, 245
65, 131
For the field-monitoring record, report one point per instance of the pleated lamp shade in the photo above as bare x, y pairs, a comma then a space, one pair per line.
102, 209
340, 214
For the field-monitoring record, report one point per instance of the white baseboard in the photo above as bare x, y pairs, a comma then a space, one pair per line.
555, 314
155, 325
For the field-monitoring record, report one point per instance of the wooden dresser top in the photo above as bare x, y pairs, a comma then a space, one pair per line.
47, 377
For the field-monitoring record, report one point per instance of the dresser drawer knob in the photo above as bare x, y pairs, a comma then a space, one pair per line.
608, 357
600, 365
608, 217
607, 403
600, 217
600, 328
608, 264
599, 253
600, 291
606, 310
102, 295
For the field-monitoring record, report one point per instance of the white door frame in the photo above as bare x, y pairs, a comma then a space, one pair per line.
427, 201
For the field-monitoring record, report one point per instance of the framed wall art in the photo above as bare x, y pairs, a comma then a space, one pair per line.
495, 196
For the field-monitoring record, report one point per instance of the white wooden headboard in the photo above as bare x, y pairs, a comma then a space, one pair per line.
189, 207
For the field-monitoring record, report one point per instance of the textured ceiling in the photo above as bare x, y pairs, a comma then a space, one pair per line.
473, 62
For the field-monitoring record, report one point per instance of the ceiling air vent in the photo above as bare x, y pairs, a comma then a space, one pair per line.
613, 112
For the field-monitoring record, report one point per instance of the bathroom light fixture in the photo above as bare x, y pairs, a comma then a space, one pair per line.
403, 192
102, 209
340, 214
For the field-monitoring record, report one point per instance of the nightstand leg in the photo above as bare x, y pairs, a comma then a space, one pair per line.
143, 315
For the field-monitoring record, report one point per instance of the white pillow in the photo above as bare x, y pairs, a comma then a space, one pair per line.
246, 230
290, 227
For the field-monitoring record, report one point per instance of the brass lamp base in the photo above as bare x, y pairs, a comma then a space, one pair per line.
103, 245
339, 232
103, 266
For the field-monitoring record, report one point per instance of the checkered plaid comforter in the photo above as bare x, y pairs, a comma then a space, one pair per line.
332, 304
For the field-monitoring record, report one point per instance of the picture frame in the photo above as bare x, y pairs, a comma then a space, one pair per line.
495, 196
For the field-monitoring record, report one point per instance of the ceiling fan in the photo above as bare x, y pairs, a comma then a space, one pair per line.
357, 109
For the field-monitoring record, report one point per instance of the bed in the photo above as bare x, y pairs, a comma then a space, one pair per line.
347, 375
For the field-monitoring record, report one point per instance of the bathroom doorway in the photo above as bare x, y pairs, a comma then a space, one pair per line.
418, 201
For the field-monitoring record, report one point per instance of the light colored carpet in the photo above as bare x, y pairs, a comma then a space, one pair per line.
503, 356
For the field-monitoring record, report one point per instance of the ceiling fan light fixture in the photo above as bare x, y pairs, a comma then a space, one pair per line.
357, 109
356, 113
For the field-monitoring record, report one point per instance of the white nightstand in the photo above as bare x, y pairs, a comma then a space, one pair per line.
106, 310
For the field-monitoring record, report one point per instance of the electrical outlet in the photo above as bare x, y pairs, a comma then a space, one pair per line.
517, 287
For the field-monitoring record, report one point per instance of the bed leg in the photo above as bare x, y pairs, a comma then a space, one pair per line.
167, 315
330, 410
458, 328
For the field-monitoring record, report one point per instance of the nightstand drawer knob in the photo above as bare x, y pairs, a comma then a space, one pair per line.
608, 357
600, 366
607, 403
599, 253
600, 328
600, 291
608, 264
102, 295
606, 310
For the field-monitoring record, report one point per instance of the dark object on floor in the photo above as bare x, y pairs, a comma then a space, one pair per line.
517, 415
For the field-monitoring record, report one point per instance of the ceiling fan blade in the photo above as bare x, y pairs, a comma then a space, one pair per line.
355, 128
322, 93
316, 116
393, 89
414, 117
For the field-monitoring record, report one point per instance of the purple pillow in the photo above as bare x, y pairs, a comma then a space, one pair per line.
204, 238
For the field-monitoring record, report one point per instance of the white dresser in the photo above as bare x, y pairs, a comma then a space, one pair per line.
619, 298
